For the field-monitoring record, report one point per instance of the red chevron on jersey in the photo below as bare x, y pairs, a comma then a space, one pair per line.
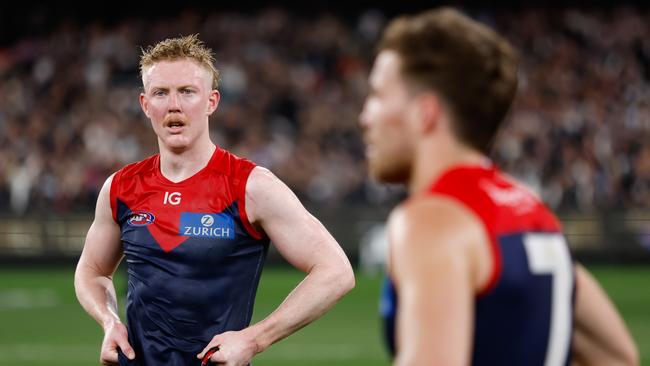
153, 201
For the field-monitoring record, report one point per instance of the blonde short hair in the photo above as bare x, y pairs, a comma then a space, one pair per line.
188, 47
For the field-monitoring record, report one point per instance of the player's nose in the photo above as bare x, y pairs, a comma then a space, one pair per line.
364, 120
173, 103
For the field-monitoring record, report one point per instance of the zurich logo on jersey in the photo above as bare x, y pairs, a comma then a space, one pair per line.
207, 220
204, 225
141, 218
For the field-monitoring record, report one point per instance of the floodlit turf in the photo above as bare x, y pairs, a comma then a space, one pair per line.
41, 322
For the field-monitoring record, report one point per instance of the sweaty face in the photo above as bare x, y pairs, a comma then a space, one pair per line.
178, 99
385, 121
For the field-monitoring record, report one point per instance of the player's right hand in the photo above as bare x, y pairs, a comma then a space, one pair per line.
115, 336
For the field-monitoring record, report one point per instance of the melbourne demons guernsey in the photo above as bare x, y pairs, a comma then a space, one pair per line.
524, 316
193, 259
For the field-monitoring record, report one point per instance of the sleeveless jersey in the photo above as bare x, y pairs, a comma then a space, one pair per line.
524, 316
193, 259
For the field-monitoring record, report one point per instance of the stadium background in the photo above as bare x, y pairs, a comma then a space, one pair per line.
294, 79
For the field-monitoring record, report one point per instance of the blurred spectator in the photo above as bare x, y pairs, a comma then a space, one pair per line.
292, 89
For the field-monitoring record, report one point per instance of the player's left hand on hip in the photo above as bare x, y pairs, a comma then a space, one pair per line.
235, 349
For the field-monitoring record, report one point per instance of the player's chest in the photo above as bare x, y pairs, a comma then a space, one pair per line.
169, 216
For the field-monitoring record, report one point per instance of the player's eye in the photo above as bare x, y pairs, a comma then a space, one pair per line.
159, 93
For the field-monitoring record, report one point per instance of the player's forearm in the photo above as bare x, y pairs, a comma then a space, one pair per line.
96, 294
602, 359
601, 336
314, 296
590, 354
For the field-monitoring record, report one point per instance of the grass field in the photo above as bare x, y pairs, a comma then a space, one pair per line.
41, 322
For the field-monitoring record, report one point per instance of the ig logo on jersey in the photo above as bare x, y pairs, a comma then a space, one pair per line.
173, 198
141, 218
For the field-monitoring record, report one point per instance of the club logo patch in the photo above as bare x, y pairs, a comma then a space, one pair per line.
204, 225
141, 218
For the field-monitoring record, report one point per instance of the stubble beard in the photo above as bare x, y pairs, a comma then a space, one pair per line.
397, 171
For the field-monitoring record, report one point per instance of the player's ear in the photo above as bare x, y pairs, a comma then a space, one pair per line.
429, 110
213, 101
144, 104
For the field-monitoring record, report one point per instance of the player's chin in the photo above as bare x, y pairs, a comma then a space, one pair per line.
385, 172
177, 142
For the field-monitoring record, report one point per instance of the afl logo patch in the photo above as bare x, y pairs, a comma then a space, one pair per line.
141, 218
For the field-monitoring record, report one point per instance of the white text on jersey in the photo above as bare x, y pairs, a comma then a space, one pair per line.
173, 198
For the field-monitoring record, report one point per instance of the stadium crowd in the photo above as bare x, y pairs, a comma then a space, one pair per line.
292, 87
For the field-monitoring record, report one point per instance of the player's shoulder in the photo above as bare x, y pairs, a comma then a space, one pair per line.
262, 175
262, 182
434, 228
434, 216
486, 190
231, 164
433, 210
503, 180
139, 167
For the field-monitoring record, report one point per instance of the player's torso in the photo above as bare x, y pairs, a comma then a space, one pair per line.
193, 259
185, 225
524, 315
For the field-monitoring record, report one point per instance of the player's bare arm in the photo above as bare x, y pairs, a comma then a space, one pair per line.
435, 246
600, 336
305, 243
94, 278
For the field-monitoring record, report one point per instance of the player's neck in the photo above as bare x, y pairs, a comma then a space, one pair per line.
427, 169
181, 164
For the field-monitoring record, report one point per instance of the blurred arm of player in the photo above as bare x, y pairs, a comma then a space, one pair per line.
303, 241
435, 246
600, 336
93, 280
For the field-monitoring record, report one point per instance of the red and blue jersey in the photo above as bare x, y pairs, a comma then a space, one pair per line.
193, 258
524, 315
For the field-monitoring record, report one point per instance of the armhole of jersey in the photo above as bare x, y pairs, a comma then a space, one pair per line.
241, 200
113, 194
493, 249
495, 273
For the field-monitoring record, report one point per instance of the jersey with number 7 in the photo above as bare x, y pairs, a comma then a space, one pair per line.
524, 315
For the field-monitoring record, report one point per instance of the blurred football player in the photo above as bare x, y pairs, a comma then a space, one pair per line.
479, 270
